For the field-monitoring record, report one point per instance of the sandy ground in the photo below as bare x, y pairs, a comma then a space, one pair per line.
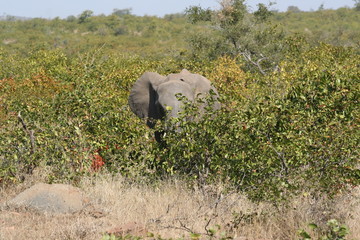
171, 210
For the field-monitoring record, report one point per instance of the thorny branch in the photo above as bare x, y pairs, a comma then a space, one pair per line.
212, 212
248, 58
280, 155
29, 132
218, 200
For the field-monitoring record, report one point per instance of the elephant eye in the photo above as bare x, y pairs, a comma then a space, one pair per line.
181, 79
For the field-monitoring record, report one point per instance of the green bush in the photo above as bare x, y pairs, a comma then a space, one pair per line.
305, 138
72, 109
333, 231
289, 131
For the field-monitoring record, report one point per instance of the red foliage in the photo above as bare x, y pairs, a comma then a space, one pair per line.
97, 161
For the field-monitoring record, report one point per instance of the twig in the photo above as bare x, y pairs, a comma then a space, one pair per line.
280, 155
214, 215
29, 132
184, 227
247, 56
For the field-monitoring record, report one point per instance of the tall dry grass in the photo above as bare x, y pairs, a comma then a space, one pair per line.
172, 210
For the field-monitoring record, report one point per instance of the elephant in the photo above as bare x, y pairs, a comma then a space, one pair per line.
154, 96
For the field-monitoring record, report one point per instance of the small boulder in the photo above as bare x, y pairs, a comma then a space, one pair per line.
52, 198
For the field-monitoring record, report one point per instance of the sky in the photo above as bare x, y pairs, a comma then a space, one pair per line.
65, 8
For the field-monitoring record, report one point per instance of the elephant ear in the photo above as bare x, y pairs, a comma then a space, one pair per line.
143, 96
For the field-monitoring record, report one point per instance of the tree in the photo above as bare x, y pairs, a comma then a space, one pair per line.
71, 18
236, 32
84, 16
357, 5
122, 12
321, 7
196, 14
293, 9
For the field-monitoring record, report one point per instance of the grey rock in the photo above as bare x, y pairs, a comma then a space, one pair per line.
52, 198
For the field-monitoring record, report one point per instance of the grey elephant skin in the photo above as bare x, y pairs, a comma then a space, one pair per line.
154, 96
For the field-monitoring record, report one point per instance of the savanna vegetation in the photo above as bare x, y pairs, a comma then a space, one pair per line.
289, 85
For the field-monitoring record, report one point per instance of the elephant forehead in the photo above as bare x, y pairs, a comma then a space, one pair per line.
196, 81
171, 88
178, 76
173, 76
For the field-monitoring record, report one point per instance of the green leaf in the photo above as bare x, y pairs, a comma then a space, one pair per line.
304, 235
195, 236
313, 226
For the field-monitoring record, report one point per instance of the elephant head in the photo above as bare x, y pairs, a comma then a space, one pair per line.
154, 96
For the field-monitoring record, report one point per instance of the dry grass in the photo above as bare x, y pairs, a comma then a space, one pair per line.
173, 210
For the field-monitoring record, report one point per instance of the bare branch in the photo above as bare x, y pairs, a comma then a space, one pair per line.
29, 132
248, 58
280, 155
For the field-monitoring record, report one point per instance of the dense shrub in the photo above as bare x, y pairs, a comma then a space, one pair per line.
305, 138
275, 134
57, 111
